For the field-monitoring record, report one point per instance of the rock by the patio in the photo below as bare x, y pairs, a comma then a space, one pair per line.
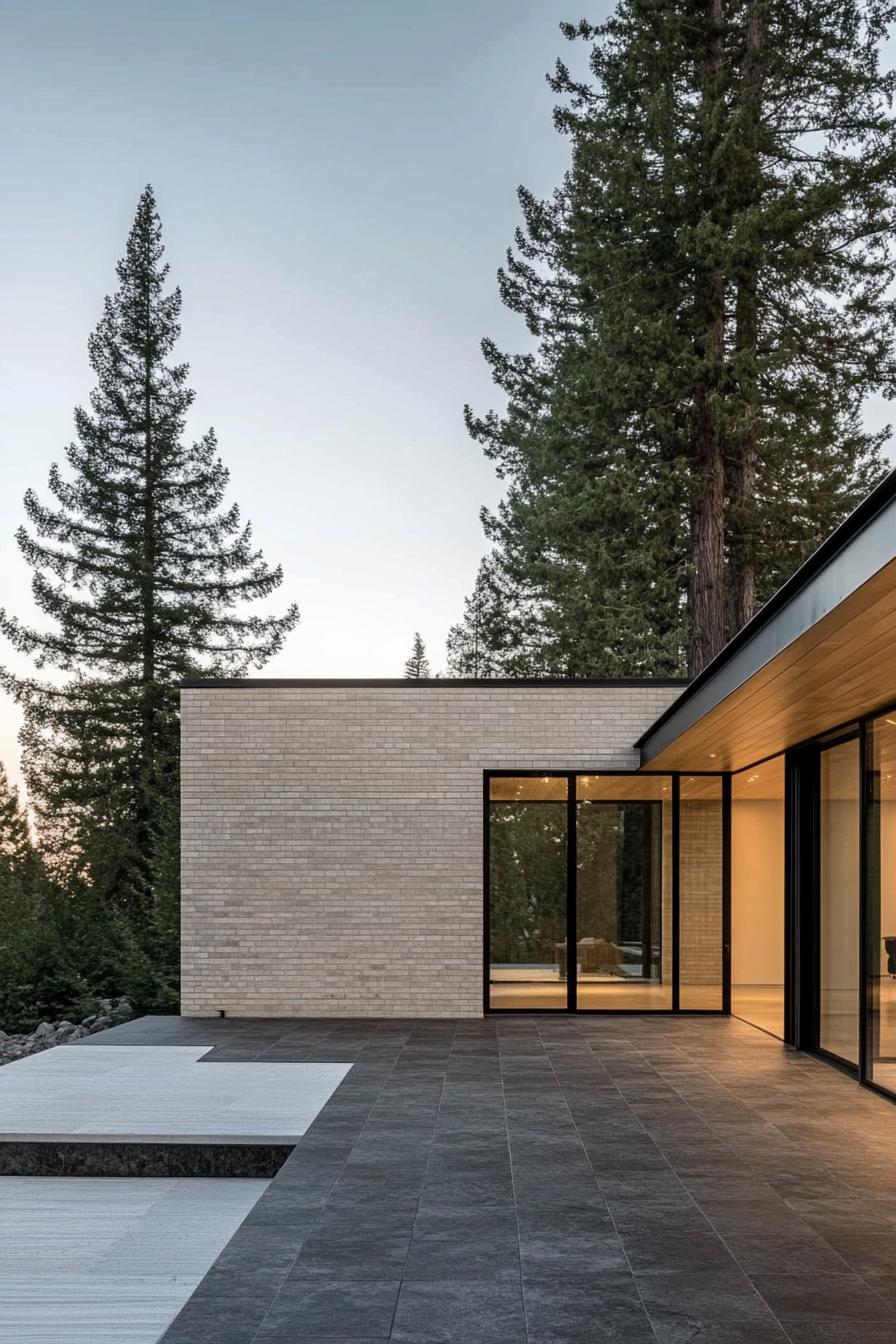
19, 1045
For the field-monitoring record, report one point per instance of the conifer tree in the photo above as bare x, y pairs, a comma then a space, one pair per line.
37, 976
143, 572
710, 289
498, 634
417, 666
16, 848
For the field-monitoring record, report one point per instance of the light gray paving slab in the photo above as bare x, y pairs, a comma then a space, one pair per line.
108, 1260
145, 1091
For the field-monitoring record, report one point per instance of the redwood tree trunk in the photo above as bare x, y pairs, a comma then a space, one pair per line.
707, 587
744, 454
708, 511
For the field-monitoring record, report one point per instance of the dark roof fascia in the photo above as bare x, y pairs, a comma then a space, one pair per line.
767, 628
419, 683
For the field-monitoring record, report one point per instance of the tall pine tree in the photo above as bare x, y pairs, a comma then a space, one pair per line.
143, 572
710, 292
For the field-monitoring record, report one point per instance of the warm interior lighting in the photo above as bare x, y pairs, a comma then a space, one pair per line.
757, 897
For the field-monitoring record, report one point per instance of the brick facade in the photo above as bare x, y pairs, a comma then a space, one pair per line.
332, 835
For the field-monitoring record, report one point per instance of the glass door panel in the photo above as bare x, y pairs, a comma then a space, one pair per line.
581, 887
880, 838
757, 895
527, 892
838, 924
622, 898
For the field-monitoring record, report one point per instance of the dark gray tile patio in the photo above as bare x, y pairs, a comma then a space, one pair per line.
527, 1180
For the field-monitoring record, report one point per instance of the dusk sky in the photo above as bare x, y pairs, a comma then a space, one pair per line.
336, 180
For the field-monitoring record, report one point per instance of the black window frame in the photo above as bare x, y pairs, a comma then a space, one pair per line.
571, 869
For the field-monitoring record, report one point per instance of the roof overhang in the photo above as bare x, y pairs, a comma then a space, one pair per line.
819, 654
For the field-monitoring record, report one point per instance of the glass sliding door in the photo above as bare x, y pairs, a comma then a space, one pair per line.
623, 892
757, 895
838, 896
880, 841
527, 840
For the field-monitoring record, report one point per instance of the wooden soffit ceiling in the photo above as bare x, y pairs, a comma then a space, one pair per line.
823, 655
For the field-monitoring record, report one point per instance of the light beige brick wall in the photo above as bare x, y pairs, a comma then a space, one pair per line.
700, 914
332, 836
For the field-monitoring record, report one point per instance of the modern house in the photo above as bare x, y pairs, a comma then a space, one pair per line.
448, 848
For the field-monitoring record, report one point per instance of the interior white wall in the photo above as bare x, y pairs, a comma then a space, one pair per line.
757, 892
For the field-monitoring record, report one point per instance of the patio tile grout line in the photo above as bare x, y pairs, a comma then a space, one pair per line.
423, 1182
516, 1216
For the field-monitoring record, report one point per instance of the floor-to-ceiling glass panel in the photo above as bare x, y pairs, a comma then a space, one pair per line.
700, 892
527, 892
757, 895
880, 840
838, 979
623, 892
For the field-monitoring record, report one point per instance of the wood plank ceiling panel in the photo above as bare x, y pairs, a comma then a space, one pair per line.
840, 669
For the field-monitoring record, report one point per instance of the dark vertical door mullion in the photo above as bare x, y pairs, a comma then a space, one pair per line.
812, 886
857, 740
571, 895
726, 893
864, 779
816, 899
791, 901
487, 885
676, 887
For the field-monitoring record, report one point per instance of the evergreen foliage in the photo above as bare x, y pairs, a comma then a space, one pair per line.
143, 572
710, 292
495, 638
418, 663
37, 973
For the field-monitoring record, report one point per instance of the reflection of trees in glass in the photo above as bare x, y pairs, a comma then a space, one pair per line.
527, 889
618, 886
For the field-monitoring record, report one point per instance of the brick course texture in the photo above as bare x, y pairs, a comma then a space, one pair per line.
332, 836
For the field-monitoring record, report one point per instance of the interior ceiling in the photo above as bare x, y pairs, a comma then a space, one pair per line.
604, 788
762, 783
843, 667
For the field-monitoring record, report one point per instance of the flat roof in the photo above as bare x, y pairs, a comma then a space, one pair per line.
418, 683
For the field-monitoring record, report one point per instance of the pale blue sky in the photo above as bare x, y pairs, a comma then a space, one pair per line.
337, 182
